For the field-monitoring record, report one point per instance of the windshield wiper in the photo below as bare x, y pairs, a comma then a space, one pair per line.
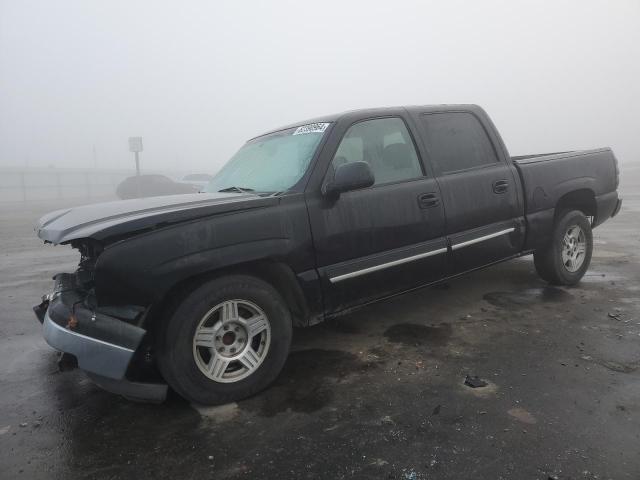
236, 189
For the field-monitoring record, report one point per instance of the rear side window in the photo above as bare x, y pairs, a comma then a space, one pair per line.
457, 141
385, 144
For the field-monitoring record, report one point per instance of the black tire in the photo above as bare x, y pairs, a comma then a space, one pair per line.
175, 341
548, 261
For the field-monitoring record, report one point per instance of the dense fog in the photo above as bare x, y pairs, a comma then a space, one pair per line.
196, 79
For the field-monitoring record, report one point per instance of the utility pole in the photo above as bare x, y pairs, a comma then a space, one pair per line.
135, 146
137, 164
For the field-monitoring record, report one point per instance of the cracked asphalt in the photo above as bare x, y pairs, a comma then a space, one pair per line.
376, 394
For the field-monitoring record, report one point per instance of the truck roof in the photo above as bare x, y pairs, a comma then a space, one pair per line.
367, 112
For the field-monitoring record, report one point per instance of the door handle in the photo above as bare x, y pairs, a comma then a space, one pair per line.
428, 200
500, 186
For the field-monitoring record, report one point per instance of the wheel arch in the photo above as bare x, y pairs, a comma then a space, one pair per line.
583, 199
541, 223
277, 274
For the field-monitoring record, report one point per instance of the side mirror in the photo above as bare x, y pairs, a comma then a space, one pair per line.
349, 176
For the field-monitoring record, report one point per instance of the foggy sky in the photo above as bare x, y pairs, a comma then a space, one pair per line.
196, 79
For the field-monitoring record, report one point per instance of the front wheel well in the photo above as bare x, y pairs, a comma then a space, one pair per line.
277, 274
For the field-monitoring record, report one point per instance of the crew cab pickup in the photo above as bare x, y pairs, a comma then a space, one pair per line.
305, 223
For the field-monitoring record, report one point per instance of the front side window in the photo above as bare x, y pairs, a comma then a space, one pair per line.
457, 141
270, 163
385, 144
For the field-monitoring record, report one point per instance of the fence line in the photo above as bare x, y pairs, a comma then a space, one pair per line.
33, 184
57, 184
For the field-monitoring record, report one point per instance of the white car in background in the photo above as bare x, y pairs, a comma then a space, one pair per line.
197, 179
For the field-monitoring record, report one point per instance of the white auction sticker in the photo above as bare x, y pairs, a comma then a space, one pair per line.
311, 128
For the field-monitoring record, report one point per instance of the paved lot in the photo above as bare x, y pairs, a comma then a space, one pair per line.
378, 394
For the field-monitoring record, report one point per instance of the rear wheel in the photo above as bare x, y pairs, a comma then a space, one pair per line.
225, 341
566, 259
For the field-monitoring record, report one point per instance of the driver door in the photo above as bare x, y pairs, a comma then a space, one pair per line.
387, 238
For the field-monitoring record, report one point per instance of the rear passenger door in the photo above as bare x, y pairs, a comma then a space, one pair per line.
479, 191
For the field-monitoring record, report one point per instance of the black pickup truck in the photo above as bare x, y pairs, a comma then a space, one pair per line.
305, 223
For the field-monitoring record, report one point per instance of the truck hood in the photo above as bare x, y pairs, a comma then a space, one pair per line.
124, 217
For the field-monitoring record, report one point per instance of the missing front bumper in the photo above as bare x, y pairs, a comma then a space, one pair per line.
104, 345
94, 355
105, 363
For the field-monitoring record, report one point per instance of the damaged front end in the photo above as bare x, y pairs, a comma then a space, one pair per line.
101, 313
105, 340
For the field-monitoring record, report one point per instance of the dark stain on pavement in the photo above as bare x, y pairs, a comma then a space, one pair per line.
527, 297
413, 334
104, 423
307, 382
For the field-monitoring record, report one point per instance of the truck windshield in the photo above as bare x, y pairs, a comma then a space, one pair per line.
270, 163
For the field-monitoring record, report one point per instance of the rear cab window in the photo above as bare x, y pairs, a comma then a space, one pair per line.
456, 141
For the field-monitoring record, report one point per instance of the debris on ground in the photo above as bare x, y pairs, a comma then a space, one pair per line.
410, 475
615, 316
474, 381
436, 411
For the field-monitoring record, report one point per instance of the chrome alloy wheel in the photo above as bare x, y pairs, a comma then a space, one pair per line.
574, 248
231, 341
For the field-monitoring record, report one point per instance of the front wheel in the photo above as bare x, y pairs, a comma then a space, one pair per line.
226, 340
566, 259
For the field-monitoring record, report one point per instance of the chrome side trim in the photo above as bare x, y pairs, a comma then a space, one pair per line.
382, 266
482, 239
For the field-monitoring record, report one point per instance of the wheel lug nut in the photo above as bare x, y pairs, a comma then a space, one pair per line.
237, 329
226, 327
232, 350
217, 337
221, 349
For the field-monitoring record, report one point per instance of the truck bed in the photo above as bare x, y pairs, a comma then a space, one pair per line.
547, 178
523, 158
